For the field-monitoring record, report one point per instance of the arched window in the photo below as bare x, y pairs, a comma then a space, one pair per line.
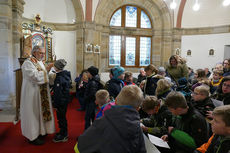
128, 46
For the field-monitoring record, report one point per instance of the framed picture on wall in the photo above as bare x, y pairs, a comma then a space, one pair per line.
189, 52
211, 52
97, 49
88, 48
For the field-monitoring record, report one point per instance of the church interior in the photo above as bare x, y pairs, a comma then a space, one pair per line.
106, 33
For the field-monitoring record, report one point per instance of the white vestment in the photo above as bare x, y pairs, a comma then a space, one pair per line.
32, 123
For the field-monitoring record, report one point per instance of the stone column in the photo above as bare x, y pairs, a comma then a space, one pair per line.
80, 47
177, 33
10, 15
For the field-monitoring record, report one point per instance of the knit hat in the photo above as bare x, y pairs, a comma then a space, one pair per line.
93, 70
60, 64
182, 82
117, 71
161, 69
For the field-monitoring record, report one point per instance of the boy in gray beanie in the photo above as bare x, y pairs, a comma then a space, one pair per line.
61, 97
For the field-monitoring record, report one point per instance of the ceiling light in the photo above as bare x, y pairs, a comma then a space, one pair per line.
196, 6
226, 2
173, 5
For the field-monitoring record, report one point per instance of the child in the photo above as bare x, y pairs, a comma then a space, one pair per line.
102, 98
150, 83
61, 97
220, 141
91, 88
141, 76
160, 117
201, 100
128, 78
116, 83
163, 89
183, 87
216, 79
119, 130
81, 82
189, 128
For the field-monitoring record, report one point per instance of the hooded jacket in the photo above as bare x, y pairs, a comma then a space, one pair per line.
118, 131
91, 88
114, 87
62, 85
203, 106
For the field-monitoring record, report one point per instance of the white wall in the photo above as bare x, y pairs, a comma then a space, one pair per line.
64, 43
211, 13
57, 11
200, 46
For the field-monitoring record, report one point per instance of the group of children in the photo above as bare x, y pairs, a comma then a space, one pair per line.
174, 120
185, 125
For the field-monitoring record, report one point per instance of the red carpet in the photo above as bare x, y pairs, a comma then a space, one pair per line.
12, 141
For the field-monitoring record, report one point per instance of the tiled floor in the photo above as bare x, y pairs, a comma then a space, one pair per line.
7, 115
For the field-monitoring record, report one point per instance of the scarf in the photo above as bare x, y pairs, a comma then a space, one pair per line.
43, 92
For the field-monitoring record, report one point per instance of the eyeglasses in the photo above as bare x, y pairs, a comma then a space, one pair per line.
226, 85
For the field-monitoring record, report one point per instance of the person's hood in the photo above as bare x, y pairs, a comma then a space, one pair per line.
125, 119
66, 74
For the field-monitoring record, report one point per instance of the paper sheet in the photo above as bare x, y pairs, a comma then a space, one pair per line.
158, 141
150, 148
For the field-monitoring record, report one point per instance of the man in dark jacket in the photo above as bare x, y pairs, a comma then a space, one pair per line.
189, 128
89, 96
118, 131
61, 96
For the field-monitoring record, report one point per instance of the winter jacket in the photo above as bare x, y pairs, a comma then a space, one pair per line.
140, 78
158, 123
177, 72
80, 89
203, 106
151, 84
128, 83
222, 97
61, 87
190, 131
91, 88
118, 131
114, 87
216, 144
226, 73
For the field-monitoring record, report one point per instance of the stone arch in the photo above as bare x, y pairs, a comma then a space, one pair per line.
161, 21
78, 10
157, 10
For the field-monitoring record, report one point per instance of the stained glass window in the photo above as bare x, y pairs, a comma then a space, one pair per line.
145, 51
114, 50
145, 22
130, 51
116, 19
131, 16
